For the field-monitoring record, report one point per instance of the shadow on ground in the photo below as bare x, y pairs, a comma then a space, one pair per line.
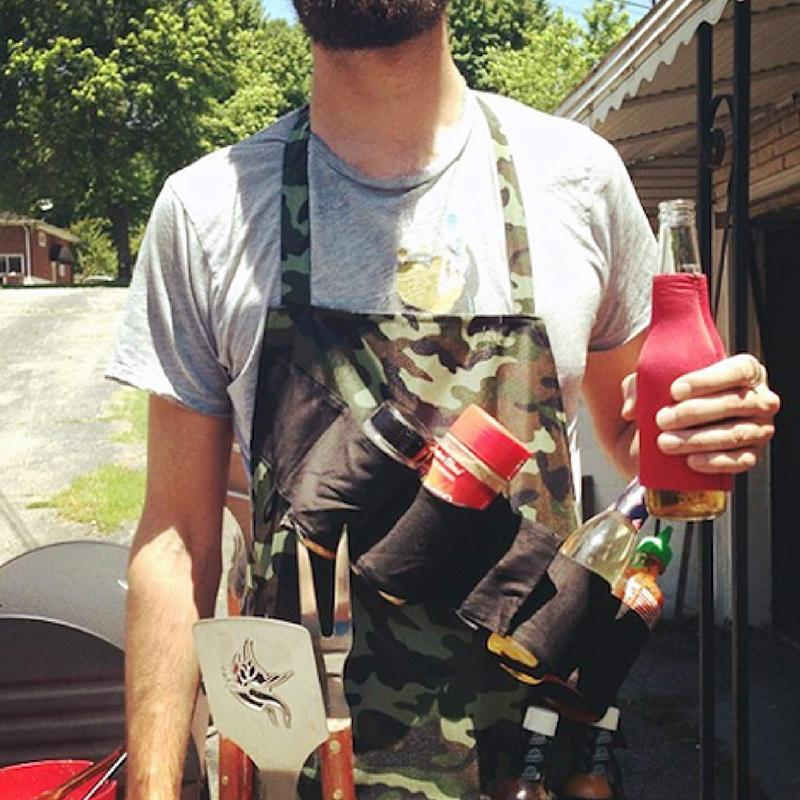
660, 716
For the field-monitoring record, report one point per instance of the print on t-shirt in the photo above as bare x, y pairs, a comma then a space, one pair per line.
439, 279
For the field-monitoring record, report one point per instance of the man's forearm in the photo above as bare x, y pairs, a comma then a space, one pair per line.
167, 594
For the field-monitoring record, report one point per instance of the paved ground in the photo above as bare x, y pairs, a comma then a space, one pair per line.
56, 343
660, 702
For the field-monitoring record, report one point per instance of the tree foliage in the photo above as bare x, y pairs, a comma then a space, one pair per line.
113, 102
479, 26
101, 99
555, 58
270, 76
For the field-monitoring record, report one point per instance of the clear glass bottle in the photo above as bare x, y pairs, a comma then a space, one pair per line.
605, 543
680, 255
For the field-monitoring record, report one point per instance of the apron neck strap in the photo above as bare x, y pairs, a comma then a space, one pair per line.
295, 216
296, 223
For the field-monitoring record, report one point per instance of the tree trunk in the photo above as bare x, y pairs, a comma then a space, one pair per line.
118, 214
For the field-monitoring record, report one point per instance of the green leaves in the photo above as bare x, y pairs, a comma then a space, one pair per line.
553, 57
101, 99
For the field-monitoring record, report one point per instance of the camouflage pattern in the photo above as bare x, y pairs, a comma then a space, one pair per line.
433, 715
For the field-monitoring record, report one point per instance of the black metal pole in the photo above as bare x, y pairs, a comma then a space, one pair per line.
705, 99
741, 256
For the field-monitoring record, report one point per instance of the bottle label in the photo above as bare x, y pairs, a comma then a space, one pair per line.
459, 478
639, 598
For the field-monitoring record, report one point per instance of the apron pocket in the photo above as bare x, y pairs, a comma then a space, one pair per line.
301, 411
560, 617
611, 652
344, 476
482, 564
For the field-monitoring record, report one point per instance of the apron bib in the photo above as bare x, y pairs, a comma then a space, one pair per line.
433, 715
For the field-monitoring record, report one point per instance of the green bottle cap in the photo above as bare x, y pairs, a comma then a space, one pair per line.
657, 547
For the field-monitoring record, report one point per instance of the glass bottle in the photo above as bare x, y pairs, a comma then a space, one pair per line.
604, 544
682, 338
539, 728
639, 589
594, 778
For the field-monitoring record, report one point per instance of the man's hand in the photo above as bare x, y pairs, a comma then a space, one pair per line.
722, 417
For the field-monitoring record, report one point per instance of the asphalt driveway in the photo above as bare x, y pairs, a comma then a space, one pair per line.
55, 345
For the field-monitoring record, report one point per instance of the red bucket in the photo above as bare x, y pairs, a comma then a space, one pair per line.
28, 781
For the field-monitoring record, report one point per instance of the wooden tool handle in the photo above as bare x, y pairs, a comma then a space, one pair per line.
336, 760
235, 772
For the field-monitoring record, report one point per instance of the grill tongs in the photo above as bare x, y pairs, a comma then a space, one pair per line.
336, 754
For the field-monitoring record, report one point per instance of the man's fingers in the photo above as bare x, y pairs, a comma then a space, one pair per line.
730, 436
760, 404
742, 370
731, 462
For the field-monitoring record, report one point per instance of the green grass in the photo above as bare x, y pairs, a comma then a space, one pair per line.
129, 407
104, 498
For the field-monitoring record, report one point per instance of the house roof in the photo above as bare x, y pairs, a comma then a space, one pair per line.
10, 219
641, 97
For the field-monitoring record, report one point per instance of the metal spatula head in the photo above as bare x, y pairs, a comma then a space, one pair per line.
264, 693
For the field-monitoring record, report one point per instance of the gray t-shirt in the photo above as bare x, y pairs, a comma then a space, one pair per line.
209, 264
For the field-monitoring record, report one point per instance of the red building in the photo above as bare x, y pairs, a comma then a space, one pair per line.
31, 251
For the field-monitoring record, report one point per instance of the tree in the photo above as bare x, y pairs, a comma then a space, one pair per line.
271, 76
607, 22
103, 111
542, 72
479, 26
554, 58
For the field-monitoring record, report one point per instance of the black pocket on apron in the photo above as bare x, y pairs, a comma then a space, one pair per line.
561, 614
611, 652
481, 564
345, 476
301, 411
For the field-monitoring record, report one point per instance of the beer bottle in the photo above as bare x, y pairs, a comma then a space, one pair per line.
681, 338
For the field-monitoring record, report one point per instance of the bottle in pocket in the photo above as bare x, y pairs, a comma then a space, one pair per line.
475, 460
356, 470
530, 782
597, 777
638, 589
441, 532
601, 547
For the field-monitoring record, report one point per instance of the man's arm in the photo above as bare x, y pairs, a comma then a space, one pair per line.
173, 576
606, 370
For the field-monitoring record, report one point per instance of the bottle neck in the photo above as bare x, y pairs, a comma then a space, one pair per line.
647, 565
631, 504
677, 236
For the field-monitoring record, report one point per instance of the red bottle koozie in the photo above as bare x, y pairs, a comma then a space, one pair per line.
682, 338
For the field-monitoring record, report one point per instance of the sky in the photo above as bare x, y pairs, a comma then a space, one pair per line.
636, 8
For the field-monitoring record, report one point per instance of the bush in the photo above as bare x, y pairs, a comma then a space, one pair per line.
96, 253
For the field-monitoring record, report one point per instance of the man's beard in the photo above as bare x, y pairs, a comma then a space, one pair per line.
366, 24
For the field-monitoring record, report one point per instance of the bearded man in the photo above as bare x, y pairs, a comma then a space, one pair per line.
399, 200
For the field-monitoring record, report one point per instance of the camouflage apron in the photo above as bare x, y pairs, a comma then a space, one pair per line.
433, 715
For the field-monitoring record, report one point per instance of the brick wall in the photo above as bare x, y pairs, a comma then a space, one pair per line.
12, 240
774, 162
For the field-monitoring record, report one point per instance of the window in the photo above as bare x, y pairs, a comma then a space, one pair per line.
11, 263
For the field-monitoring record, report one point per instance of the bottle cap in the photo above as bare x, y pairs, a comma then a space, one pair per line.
631, 503
540, 720
610, 721
657, 547
407, 435
490, 441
